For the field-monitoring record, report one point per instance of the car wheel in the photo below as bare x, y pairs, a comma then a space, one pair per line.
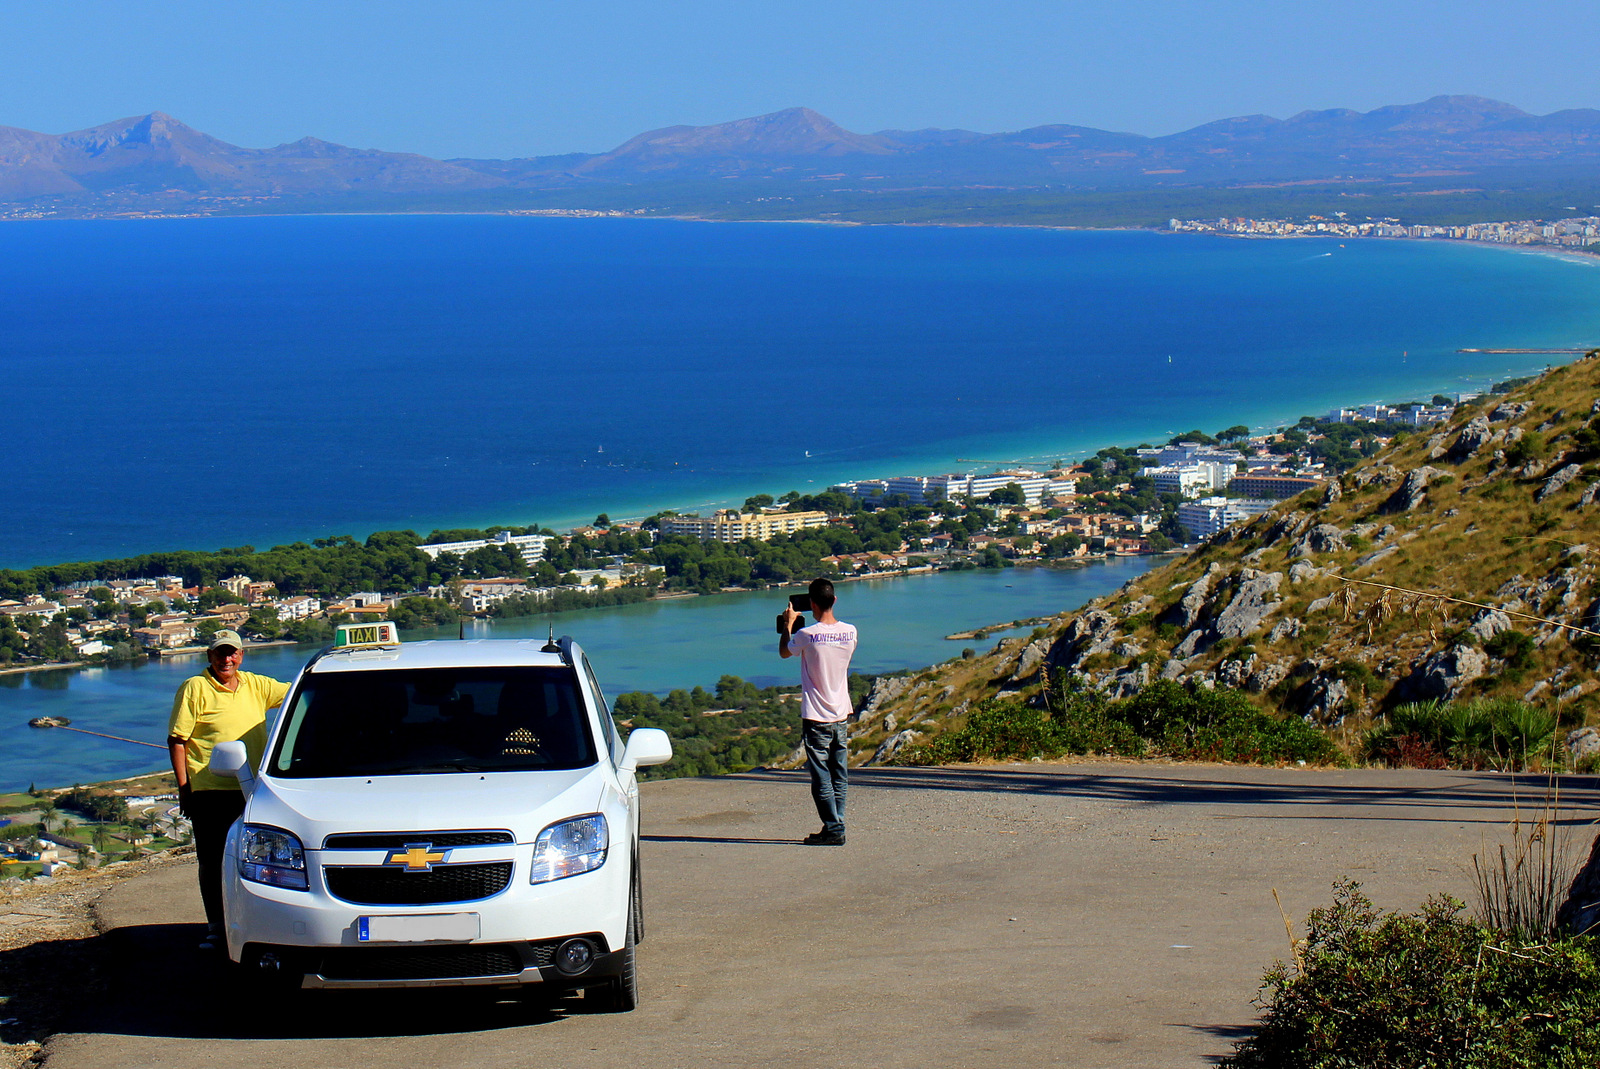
620, 994
638, 903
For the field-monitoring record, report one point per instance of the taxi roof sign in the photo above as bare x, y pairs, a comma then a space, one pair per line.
380, 633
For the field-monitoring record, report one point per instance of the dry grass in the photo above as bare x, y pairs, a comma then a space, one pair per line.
1521, 887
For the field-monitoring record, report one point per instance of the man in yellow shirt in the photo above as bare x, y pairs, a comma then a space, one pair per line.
221, 704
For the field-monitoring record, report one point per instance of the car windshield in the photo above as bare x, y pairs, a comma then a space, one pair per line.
408, 721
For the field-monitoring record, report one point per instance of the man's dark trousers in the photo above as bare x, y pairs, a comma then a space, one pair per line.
828, 761
212, 813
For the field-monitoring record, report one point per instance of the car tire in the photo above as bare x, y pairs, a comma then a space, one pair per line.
638, 903
620, 994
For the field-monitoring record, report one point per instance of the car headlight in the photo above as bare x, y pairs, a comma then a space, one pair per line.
272, 856
570, 847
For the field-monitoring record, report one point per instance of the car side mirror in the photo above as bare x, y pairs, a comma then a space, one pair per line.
646, 746
232, 760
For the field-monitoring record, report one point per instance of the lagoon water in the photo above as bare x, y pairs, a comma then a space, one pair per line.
652, 646
218, 382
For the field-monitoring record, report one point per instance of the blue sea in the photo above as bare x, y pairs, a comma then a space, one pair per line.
220, 382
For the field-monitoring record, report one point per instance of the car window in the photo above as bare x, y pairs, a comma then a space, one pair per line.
608, 726
409, 721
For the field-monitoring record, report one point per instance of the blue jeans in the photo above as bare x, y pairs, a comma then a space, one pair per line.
828, 761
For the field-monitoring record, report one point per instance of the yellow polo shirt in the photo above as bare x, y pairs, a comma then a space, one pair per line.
205, 713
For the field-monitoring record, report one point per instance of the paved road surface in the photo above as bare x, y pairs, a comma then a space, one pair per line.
1082, 915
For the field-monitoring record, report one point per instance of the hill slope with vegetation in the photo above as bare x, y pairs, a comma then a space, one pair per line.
1449, 576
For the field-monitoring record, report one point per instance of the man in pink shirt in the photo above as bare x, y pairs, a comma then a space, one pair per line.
824, 650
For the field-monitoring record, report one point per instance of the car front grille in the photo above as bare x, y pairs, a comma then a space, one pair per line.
374, 885
419, 963
399, 840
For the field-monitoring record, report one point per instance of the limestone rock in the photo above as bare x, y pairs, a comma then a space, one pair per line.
1286, 527
1412, 491
1558, 481
1301, 570
1445, 673
1172, 670
1234, 673
1194, 599
1088, 633
1378, 473
891, 746
1127, 682
1130, 648
1190, 645
885, 689
1033, 655
1583, 742
1323, 538
1257, 599
1489, 623
1332, 493
1265, 677
1510, 410
1319, 604
1577, 690
1288, 627
1374, 557
1474, 436
1327, 700
1138, 605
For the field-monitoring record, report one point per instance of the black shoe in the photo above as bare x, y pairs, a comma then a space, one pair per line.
824, 838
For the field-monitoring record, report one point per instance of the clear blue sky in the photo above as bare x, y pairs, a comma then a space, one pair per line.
502, 79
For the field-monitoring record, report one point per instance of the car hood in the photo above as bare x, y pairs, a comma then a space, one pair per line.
522, 802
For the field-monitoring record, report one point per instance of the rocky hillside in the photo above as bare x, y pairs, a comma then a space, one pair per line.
1455, 564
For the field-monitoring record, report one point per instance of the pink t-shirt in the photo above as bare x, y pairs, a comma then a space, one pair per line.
824, 651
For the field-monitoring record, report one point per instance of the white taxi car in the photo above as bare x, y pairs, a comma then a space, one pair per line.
441, 814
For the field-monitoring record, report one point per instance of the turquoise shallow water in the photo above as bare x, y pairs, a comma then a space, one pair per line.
220, 382
654, 646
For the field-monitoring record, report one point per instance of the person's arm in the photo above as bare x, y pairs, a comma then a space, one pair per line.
180, 768
789, 617
179, 727
277, 690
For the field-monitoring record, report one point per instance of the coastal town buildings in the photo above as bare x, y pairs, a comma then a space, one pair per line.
933, 489
1208, 516
531, 546
1576, 233
731, 525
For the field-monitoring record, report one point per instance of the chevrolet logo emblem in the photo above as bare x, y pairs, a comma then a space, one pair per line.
417, 857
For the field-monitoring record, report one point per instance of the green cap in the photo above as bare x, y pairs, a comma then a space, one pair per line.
226, 637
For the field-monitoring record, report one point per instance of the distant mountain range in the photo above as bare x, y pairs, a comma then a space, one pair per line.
154, 162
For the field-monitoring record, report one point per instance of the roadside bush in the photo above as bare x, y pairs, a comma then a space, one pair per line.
1502, 734
1433, 988
1163, 718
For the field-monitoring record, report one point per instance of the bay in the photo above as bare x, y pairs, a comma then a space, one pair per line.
201, 383
654, 646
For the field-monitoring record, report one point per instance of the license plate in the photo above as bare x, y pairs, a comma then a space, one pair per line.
419, 928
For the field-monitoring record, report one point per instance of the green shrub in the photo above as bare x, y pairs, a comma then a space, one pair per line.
1430, 989
1513, 647
1502, 733
1175, 721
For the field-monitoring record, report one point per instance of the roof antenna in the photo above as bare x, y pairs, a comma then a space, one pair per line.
551, 646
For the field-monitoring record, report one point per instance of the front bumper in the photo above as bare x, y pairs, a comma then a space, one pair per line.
427, 965
316, 936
